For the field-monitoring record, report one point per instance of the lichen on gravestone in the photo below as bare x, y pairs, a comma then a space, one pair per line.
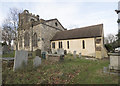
36, 61
20, 58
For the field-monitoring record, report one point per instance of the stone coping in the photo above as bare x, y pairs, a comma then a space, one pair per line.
8, 58
114, 54
53, 55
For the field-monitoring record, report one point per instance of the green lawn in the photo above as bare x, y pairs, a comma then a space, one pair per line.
69, 71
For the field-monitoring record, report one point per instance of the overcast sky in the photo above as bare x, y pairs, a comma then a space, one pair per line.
71, 13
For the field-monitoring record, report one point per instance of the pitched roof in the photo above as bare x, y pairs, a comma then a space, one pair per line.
56, 20
42, 20
84, 32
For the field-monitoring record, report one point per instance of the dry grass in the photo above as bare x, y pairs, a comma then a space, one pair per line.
70, 71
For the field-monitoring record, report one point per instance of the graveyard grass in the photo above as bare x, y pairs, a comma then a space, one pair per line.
69, 71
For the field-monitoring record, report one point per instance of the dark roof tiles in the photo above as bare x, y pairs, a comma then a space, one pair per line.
84, 32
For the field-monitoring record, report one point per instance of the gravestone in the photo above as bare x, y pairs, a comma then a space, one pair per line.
80, 55
65, 52
105, 69
5, 49
20, 60
53, 57
114, 61
43, 55
36, 61
60, 51
38, 52
74, 54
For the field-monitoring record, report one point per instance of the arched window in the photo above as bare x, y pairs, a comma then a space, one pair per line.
26, 39
68, 44
35, 40
83, 42
20, 41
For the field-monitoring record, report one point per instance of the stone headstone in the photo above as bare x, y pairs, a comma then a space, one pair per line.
5, 49
105, 69
38, 52
20, 60
74, 54
115, 61
80, 55
60, 51
36, 61
65, 52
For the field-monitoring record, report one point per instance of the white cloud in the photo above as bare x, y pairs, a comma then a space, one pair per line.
71, 14
59, 0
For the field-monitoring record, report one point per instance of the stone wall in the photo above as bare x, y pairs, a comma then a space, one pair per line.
47, 34
77, 45
55, 23
115, 61
53, 57
44, 30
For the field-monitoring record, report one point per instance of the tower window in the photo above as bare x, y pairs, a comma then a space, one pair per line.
35, 40
20, 42
56, 24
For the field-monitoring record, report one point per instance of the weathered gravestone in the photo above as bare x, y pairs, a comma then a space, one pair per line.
38, 52
80, 55
115, 61
105, 69
20, 60
74, 54
65, 52
53, 57
36, 61
60, 51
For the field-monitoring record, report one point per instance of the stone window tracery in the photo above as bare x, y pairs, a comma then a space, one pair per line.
20, 41
26, 39
35, 40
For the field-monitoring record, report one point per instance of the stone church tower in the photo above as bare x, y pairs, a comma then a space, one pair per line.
35, 33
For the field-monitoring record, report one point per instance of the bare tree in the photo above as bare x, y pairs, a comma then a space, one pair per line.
7, 34
111, 38
10, 26
106, 41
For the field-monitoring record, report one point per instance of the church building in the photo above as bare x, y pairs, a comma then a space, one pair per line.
49, 35
89, 41
35, 33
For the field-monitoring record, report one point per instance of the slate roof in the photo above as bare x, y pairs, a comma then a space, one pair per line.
84, 32
38, 22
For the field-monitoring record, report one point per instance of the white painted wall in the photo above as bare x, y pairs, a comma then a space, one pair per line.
77, 45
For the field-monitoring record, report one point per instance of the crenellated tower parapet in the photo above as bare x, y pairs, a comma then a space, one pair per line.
26, 18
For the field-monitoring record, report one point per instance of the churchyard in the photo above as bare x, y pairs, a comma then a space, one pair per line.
74, 69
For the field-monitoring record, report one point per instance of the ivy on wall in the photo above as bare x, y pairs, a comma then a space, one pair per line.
118, 21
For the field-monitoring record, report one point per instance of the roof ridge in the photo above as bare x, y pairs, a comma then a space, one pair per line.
86, 26
51, 19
